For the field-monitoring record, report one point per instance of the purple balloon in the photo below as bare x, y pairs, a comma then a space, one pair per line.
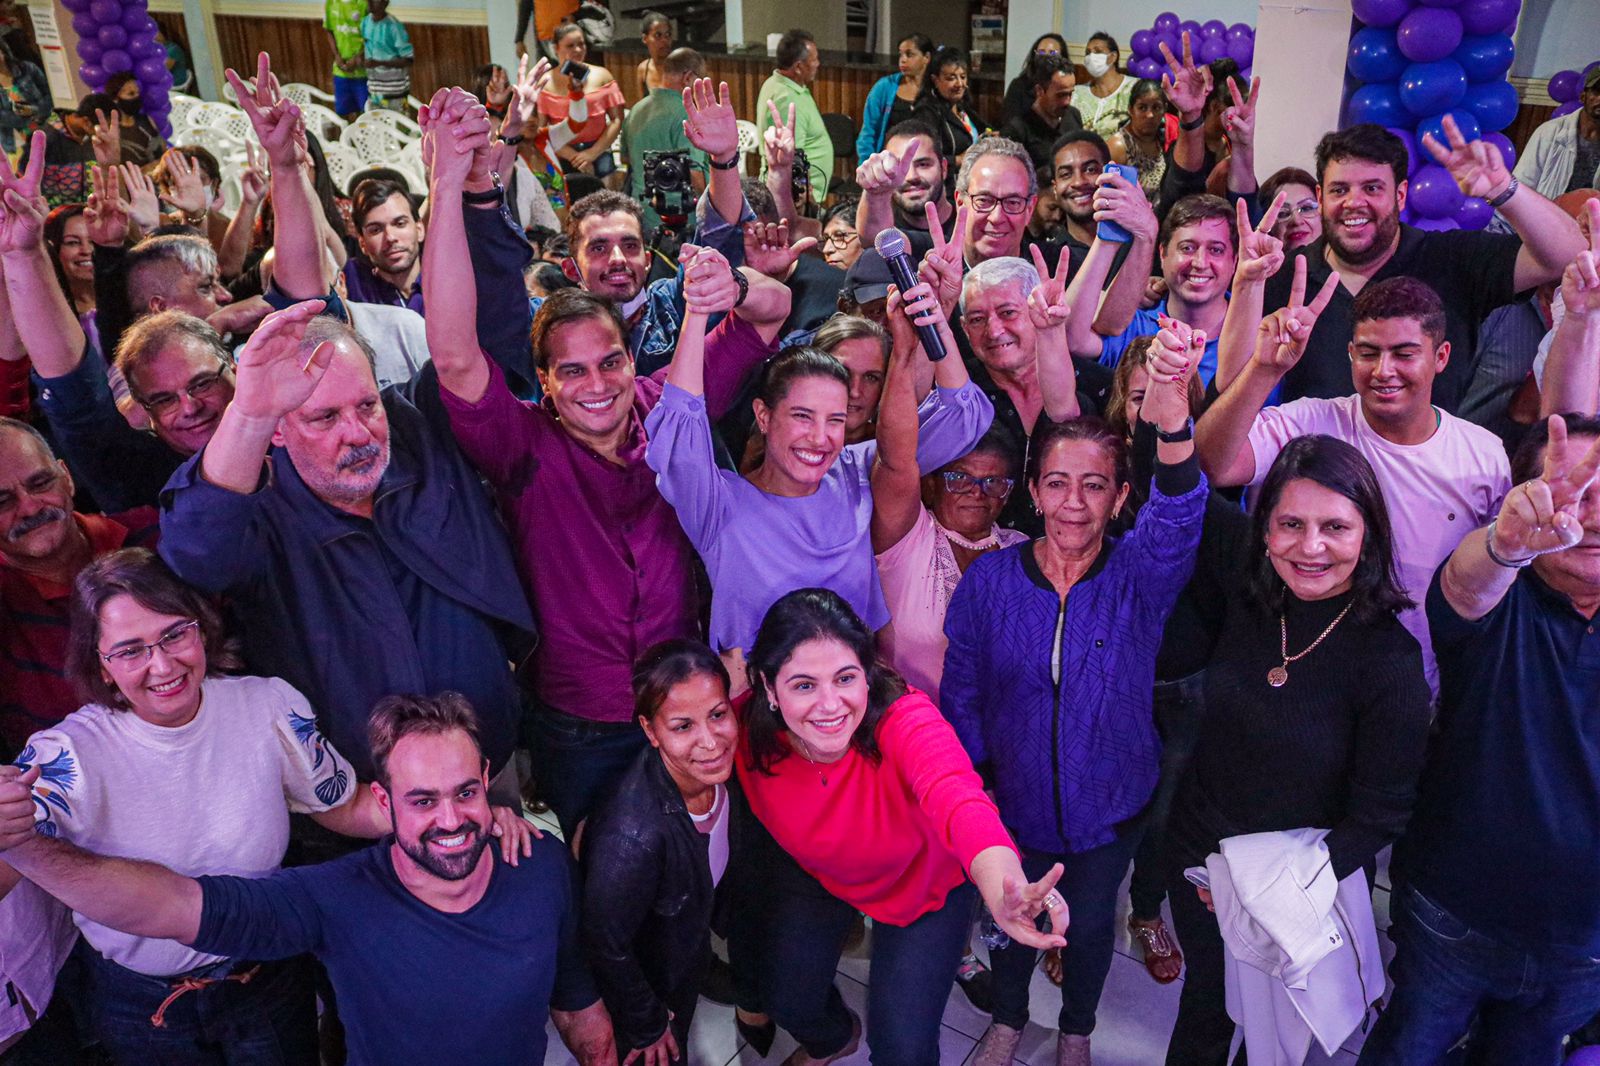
1247, 73
116, 61
1143, 43
1435, 225
106, 11
1429, 88
93, 75
1474, 213
146, 48
77, 7
89, 50
1439, 3
1145, 67
83, 24
1410, 141
1508, 151
1566, 86
112, 36
1167, 22
1214, 28
1587, 1056
1174, 45
1494, 104
1466, 122
1485, 58
149, 71
1565, 109
1240, 29
1374, 55
1487, 16
1434, 193
1192, 28
133, 17
1381, 12
1378, 103
1242, 50
1429, 33
1213, 48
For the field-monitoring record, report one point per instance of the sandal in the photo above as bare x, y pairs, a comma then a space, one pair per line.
1051, 965
1162, 958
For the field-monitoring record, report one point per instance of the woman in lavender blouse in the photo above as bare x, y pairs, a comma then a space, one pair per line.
801, 519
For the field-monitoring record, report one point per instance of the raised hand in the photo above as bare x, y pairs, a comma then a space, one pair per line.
884, 172
458, 132
767, 248
904, 312
1175, 353
942, 267
708, 285
1477, 166
139, 196
712, 125
1187, 85
523, 109
106, 212
274, 376
1260, 253
1021, 904
1121, 201
1239, 121
279, 126
253, 179
1580, 282
22, 207
107, 139
778, 139
1282, 336
1542, 515
185, 190
1048, 306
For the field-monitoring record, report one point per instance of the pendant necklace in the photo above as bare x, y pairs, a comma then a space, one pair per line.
814, 765
1278, 676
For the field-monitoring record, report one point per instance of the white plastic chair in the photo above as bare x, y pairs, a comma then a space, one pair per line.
376, 142
234, 122
323, 122
303, 94
342, 165
405, 129
749, 140
182, 106
204, 114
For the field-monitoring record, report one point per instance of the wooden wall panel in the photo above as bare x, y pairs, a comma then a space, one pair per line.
173, 28
446, 55
1529, 117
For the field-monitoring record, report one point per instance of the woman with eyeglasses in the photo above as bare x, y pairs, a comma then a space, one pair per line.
173, 762
946, 104
1299, 223
841, 243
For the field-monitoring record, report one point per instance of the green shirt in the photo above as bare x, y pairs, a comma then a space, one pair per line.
656, 125
342, 18
810, 135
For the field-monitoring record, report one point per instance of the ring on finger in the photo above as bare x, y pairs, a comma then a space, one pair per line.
1052, 901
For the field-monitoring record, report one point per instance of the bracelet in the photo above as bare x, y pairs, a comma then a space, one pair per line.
731, 164
487, 196
1511, 191
513, 140
1196, 124
744, 285
1177, 436
1496, 557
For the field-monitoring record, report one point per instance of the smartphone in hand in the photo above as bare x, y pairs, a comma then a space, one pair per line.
576, 71
1111, 231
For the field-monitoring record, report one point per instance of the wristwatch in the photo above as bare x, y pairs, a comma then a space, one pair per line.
513, 140
731, 164
1177, 436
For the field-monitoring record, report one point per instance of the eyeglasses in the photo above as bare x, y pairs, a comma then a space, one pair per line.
199, 389
171, 642
983, 203
843, 238
996, 488
1308, 209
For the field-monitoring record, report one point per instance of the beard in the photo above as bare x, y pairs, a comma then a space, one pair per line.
454, 866
1384, 229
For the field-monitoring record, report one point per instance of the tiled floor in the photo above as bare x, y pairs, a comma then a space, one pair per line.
1135, 1017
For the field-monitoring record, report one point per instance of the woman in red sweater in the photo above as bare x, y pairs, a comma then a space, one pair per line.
869, 803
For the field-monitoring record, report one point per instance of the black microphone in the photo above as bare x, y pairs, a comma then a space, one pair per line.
892, 245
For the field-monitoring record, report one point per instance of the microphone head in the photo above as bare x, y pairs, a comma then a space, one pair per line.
890, 243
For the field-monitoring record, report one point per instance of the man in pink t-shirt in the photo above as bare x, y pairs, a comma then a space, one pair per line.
1441, 476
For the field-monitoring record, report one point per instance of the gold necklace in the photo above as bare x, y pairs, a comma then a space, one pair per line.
1278, 676
806, 754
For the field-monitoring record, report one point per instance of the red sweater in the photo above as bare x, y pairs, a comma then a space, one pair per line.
893, 838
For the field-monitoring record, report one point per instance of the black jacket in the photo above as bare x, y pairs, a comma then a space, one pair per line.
647, 900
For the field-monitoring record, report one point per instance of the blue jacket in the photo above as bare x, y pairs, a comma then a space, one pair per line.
1071, 760
875, 119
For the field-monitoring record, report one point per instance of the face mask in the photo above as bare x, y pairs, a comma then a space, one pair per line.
1096, 63
128, 107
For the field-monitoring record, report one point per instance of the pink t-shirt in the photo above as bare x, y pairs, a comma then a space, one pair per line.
554, 109
919, 575
1437, 491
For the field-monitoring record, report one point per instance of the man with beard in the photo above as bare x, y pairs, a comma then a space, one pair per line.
1037, 129
1563, 155
43, 545
389, 270
438, 950
1362, 173
898, 184
353, 541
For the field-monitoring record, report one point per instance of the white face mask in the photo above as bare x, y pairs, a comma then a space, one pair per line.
1096, 63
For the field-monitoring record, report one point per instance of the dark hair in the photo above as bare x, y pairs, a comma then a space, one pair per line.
139, 573
1134, 358
1528, 461
55, 231
569, 305
760, 199
115, 83
1337, 467
565, 30
604, 202
1083, 136
845, 206
1041, 68
207, 162
683, 61
1088, 428
913, 127
801, 616
650, 20
397, 717
792, 47
1223, 71
668, 664
1145, 87
1000, 441
93, 102
373, 194
550, 277
1281, 177
1198, 208
1110, 43
481, 79
923, 42
1401, 297
388, 174
791, 365
1367, 143
943, 57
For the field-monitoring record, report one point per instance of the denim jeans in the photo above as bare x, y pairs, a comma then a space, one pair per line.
1090, 881
270, 1020
1445, 973
577, 762
1178, 707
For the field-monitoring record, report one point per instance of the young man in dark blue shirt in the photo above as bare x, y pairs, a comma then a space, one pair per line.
438, 950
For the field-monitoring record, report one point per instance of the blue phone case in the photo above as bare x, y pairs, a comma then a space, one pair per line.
1111, 231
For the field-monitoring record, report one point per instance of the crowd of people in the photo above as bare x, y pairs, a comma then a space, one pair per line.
807, 586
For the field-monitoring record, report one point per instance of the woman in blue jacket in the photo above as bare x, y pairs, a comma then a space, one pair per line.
892, 98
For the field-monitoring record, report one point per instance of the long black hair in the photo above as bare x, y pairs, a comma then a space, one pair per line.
801, 616
1340, 468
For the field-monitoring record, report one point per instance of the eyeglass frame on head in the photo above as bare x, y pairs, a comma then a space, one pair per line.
170, 642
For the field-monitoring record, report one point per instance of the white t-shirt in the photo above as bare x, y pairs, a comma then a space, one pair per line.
209, 797
717, 830
36, 935
398, 336
1437, 491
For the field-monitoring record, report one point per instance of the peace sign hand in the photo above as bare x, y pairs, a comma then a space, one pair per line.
778, 139
942, 267
22, 208
1543, 515
1580, 282
884, 172
107, 139
1478, 167
1282, 336
106, 212
253, 179
279, 126
1260, 253
1239, 121
1047, 303
1187, 86
1021, 904
712, 125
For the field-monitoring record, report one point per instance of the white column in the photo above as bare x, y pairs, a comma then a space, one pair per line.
1300, 57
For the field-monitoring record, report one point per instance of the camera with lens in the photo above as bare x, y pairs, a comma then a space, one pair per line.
666, 183
801, 179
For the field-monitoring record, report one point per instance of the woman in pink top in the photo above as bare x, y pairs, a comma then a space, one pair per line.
600, 110
869, 803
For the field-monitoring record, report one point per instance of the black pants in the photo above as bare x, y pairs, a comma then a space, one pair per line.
1203, 1031
1178, 708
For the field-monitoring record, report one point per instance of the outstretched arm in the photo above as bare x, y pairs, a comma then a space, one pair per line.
1051, 311
1188, 88
1260, 256
712, 127
896, 476
49, 329
297, 233
1572, 374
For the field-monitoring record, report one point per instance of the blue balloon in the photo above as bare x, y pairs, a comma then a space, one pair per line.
1374, 55
1485, 58
1508, 151
1167, 22
1145, 67
1466, 122
1429, 33
1439, 3
1242, 50
1378, 103
1212, 49
1143, 43
1381, 12
1474, 213
1429, 88
1214, 28
133, 17
89, 50
1240, 29
1174, 45
1410, 141
111, 36
1434, 193
1494, 104
1192, 28
1487, 16
115, 61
